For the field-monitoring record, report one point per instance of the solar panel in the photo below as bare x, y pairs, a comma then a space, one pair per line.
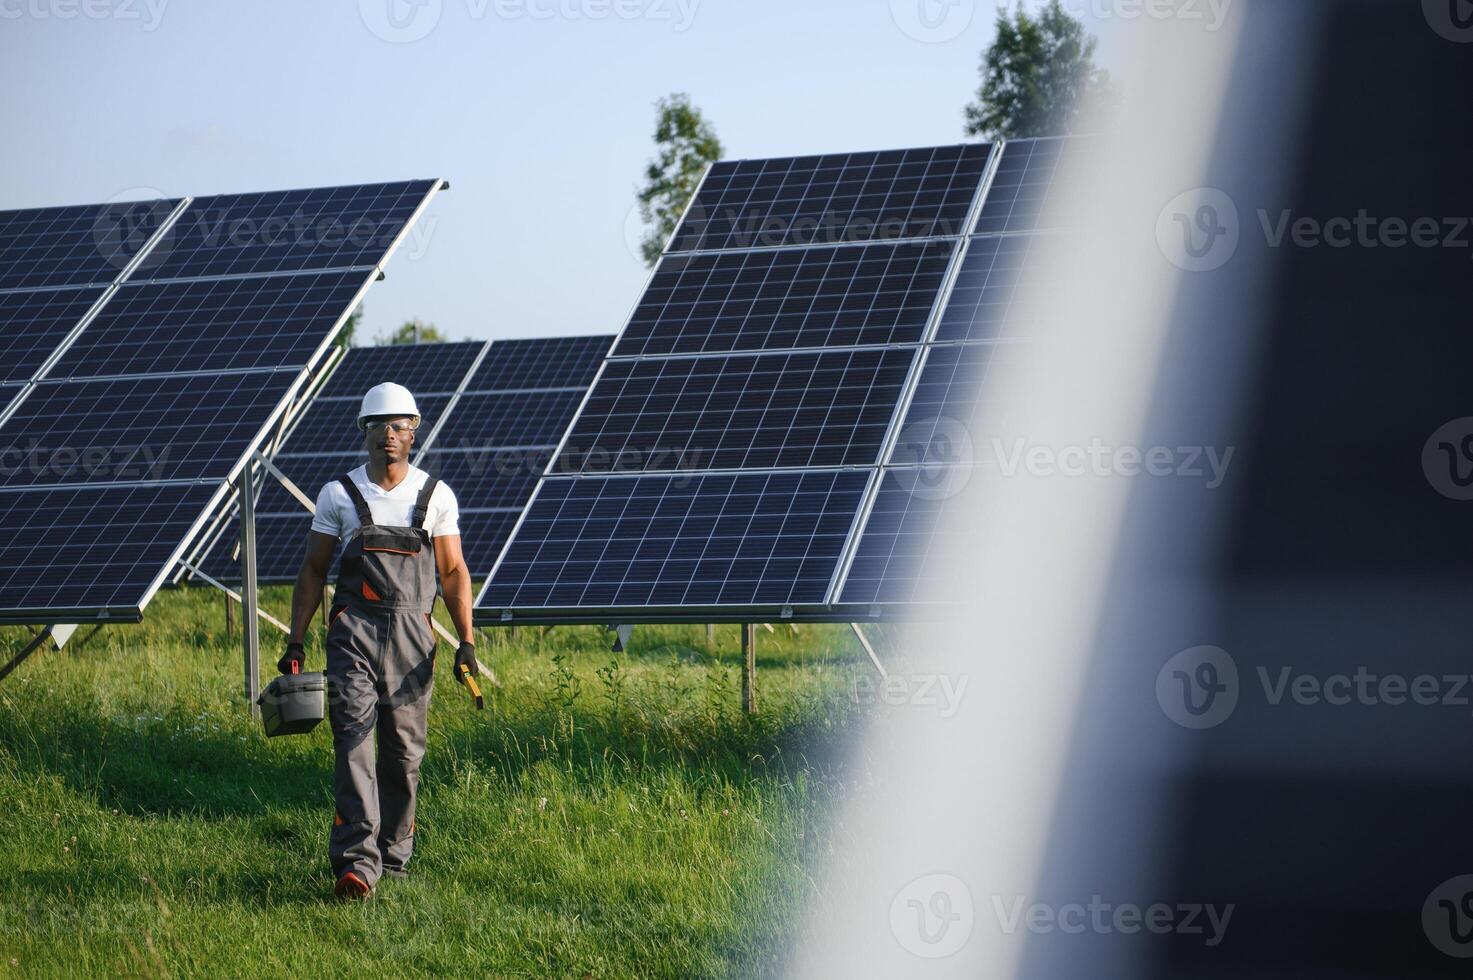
750, 370
71, 551
159, 399
981, 303
214, 325
309, 473
738, 412
901, 532
288, 231
667, 541
510, 420
422, 368
937, 424
845, 197
487, 479
75, 246
552, 362
1020, 188
34, 323
817, 297
181, 427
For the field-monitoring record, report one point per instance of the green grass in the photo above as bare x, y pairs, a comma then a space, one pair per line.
604, 816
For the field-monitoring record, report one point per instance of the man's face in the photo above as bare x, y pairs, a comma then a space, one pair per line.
388, 438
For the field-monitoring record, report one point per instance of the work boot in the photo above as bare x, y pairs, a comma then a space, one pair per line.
350, 887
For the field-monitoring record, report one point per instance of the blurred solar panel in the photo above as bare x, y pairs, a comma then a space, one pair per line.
214, 325
34, 323
75, 246
1026, 171
288, 231
818, 297
846, 197
981, 304
901, 532
672, 541
738, 412
422, 368
551, 362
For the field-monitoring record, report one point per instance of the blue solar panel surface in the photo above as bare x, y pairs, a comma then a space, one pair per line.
75, 246
213, 325
422, 368
182, 427
1015, 202
90, 546
708, 540
901, 532
287, 231
162, 394
34, 323
845, 197
762, 360
553, 362
740, 412
817, 297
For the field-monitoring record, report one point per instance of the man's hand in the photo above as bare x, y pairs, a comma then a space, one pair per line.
293, 660
465, 655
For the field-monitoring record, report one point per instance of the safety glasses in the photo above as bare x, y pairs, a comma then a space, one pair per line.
397, 426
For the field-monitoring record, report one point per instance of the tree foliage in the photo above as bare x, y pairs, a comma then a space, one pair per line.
350, 327
686, 143
415, 332
1037, 75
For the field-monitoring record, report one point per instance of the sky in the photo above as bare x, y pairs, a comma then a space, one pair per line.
538, 112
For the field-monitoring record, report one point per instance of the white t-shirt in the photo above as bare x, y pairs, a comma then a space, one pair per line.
337, 516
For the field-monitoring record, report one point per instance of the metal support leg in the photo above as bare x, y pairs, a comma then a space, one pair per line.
874, 657
248, 628
25, 652
749, 668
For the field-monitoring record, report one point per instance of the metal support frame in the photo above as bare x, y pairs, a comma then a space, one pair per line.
248, 627
874, 657
749, 668
26, 651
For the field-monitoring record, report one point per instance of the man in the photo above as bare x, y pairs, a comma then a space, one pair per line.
400, 527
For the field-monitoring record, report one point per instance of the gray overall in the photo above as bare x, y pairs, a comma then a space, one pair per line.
380, 668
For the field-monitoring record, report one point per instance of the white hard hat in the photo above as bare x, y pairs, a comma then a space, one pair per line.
387, 399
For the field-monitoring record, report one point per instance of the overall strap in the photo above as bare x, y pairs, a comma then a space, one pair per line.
365, 516
422, 502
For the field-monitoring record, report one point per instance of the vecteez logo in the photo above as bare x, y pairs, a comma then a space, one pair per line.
1447, 917
400, 21
1199, 231
933, 916
1451, 19
932, 21
1198, 688
1447, 459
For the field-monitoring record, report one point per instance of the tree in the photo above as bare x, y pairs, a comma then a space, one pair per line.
1037, 75
686, 143
350, 326
414, 332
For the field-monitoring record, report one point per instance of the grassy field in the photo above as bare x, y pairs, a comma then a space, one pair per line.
605, 816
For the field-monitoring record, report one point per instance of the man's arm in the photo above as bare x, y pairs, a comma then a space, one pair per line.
311, 579
455, 581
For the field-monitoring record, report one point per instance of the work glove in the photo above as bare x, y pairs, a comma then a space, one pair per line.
293, 660
465, 655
